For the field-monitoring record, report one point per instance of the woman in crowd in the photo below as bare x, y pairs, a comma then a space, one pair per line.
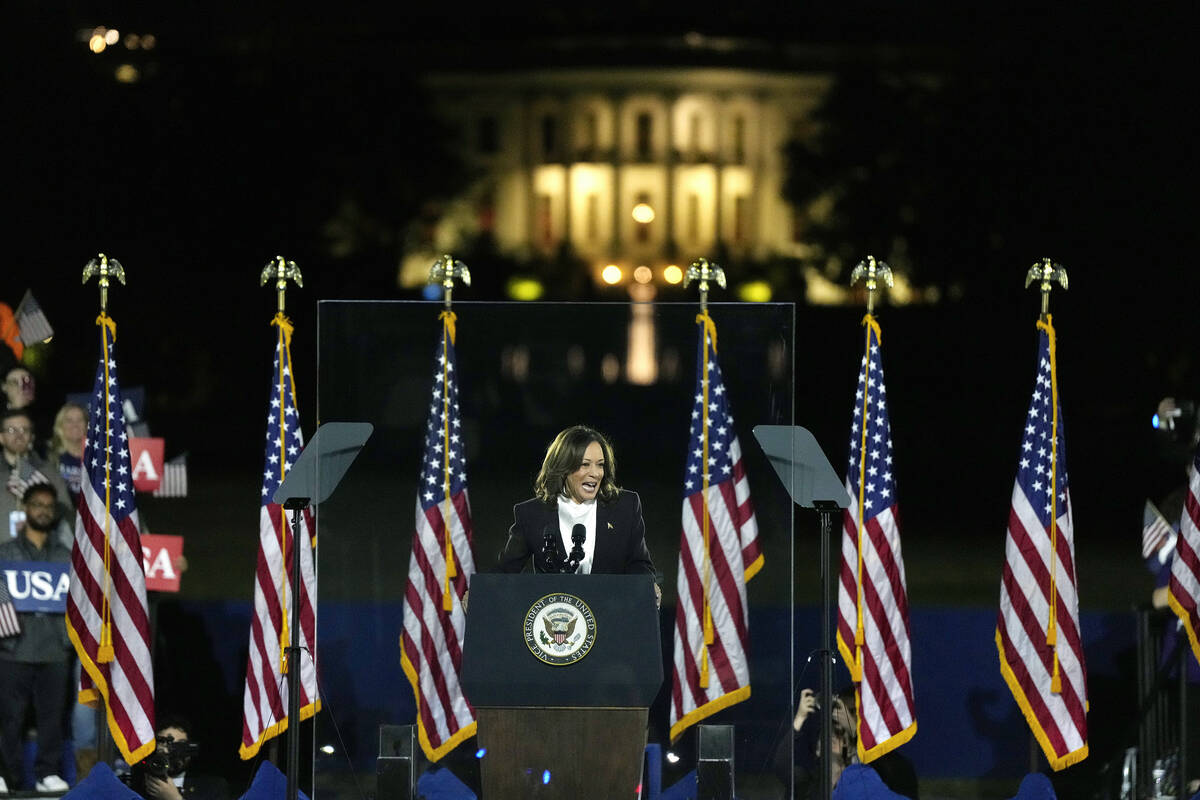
66, 446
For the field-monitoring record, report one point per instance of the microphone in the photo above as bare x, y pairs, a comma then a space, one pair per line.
578, 536
550, 549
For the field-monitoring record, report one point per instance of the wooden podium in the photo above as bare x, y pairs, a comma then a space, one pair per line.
561, 671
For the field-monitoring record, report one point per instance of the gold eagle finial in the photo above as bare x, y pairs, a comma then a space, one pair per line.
106, 268
873, 271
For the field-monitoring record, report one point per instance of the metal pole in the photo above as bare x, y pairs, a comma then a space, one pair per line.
1185, 655
826, 761
293, 754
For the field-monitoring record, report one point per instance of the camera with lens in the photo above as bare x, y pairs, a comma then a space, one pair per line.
169, 758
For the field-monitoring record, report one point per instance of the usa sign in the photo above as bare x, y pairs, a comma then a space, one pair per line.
160, 560
146, 457
37, 585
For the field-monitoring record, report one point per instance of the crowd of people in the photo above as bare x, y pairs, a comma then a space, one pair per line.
41, 470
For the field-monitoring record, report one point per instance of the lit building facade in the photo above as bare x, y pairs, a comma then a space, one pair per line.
633, 167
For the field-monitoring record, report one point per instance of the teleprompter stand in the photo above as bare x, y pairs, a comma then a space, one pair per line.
812, 483
311, 481
566, 730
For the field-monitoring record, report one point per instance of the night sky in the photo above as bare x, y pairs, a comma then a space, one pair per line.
250, 127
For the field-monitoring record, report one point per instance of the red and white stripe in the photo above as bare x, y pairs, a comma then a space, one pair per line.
10, 623
127, 682
1058, 719
431, 642
265, 699
733, 558
886, 704
1183, 594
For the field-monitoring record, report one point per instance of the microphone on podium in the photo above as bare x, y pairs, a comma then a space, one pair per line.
550, 549
578, 536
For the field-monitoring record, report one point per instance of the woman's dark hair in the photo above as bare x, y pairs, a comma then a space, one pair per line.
565, 454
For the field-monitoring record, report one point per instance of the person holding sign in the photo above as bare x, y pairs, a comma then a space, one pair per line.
34, 663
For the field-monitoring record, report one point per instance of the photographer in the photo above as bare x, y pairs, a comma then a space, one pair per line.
165, 773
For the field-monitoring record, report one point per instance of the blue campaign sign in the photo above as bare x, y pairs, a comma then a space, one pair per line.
37, 585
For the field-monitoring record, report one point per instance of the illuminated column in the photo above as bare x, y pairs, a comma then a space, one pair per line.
719, 163
668, 204
566, 152
525, 133
618, 179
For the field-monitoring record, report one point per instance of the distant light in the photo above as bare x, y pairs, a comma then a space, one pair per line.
132, 40
610, 368
545, 776
672, 274
481, 752
523, 287
148, 41
643, 213
327, 749
112, 36
754, 292
1155, 421
432, 291
97, 44
611, 274
643, 274
672, 758
127, 73
576, 360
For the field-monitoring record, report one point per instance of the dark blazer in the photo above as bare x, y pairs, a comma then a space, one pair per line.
620, 536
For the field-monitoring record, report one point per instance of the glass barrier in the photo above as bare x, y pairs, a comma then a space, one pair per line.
524, 372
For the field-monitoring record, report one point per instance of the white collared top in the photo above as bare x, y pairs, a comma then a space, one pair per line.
571, 514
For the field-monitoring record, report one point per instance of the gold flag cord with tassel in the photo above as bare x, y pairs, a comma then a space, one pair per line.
856, 668
285, 366
710, 334
448, 319
105, 652
1052, 627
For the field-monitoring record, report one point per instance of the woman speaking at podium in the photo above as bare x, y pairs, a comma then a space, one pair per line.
579, 521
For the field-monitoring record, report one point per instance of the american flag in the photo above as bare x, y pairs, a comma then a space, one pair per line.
10, 623
33, 325
1158, 537
440, 567
265, 700
1041, 653
873, 631
718, 554
174, 479
107, 616
1183, 594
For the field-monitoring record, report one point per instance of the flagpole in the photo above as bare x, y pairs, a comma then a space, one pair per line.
872, 271
704, 270
444, 271
1046, 273
104, 268
281, 270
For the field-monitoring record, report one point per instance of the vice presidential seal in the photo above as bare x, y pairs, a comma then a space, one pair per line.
560, 629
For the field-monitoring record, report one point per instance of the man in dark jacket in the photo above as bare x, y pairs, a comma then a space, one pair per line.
34, 663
